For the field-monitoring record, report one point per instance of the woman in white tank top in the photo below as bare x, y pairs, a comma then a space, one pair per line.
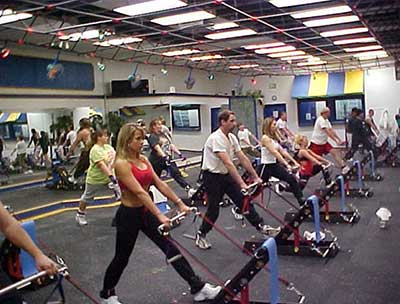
276, 162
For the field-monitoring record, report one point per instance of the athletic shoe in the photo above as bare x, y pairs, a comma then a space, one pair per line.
268, 230
279, 188
191, 192
72, 180
238, 216
311, 236
208, 292
81, 220
202, 242
111, 300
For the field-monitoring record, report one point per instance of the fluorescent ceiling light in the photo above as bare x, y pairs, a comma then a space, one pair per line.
349, 31
91, 34
231, 34
118, 41
149, 7
370, 54
373, 57
354, 40
317, 62
285, 54
330, 21
206, 57
183, 18
224, 25
243, 66
181, 52
286, 3
322, 12
363, 48
296, 57
262, 46
276, 50
9, 16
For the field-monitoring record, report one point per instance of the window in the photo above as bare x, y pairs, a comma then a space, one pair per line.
309, 109
186, 117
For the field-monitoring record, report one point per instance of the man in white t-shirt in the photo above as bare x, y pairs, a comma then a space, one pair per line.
319, 138
70, 139
282, 126
221, 177
245, 137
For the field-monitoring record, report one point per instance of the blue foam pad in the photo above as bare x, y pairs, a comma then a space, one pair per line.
28, 264
163, 206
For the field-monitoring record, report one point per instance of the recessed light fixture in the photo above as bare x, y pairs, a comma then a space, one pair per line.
276, 50
285, 54
149, 7
354, 40
286, 3
331, 21
243, 66
206, 57
231, 34
354, 30
118, 41
262, 46
9, 16
296, 57
363, 48
369, 57
322, 12
317, 62
90, 34
224, 25
183, 18
181, 52
370, 54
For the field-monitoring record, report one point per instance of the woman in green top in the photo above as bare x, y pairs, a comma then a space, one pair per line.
100, 172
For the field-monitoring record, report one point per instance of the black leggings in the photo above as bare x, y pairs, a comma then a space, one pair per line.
82, 165
160, 165
216, 185
315, 170
12, 297
265, 171
129, 222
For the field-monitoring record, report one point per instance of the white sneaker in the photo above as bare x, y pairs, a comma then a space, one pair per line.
191, 192
236, 214
208, 292
81, 220
202, 242
111, 300
72, 180
268, 230
279, 187
311, 236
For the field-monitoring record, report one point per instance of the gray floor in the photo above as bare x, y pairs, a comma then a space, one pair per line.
365, 270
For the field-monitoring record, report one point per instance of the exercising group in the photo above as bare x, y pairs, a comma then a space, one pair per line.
129, 174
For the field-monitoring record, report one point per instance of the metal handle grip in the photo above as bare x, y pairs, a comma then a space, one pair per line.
174, 221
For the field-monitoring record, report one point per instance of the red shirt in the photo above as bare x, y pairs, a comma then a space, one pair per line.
143, 176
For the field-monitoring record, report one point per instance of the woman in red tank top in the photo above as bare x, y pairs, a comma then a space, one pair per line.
138, 212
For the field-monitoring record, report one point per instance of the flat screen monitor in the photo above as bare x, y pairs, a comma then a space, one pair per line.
186, 117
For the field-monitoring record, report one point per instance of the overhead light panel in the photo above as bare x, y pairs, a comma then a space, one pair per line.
206, 57
181, 52
149, 7
118, 41
263, 46
286, 3
354, 40
370, 54
349, 31
317, 62
369, 57
331, 21
322, 12
90, 34
224, 25
363, 48
285, 54
231, 34
276, 50
243, 66
290, 58
9, 16
183, 18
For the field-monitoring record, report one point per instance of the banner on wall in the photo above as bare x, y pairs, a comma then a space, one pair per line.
328, 84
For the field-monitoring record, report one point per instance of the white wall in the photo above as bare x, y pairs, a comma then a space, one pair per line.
382, 90
39, 121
